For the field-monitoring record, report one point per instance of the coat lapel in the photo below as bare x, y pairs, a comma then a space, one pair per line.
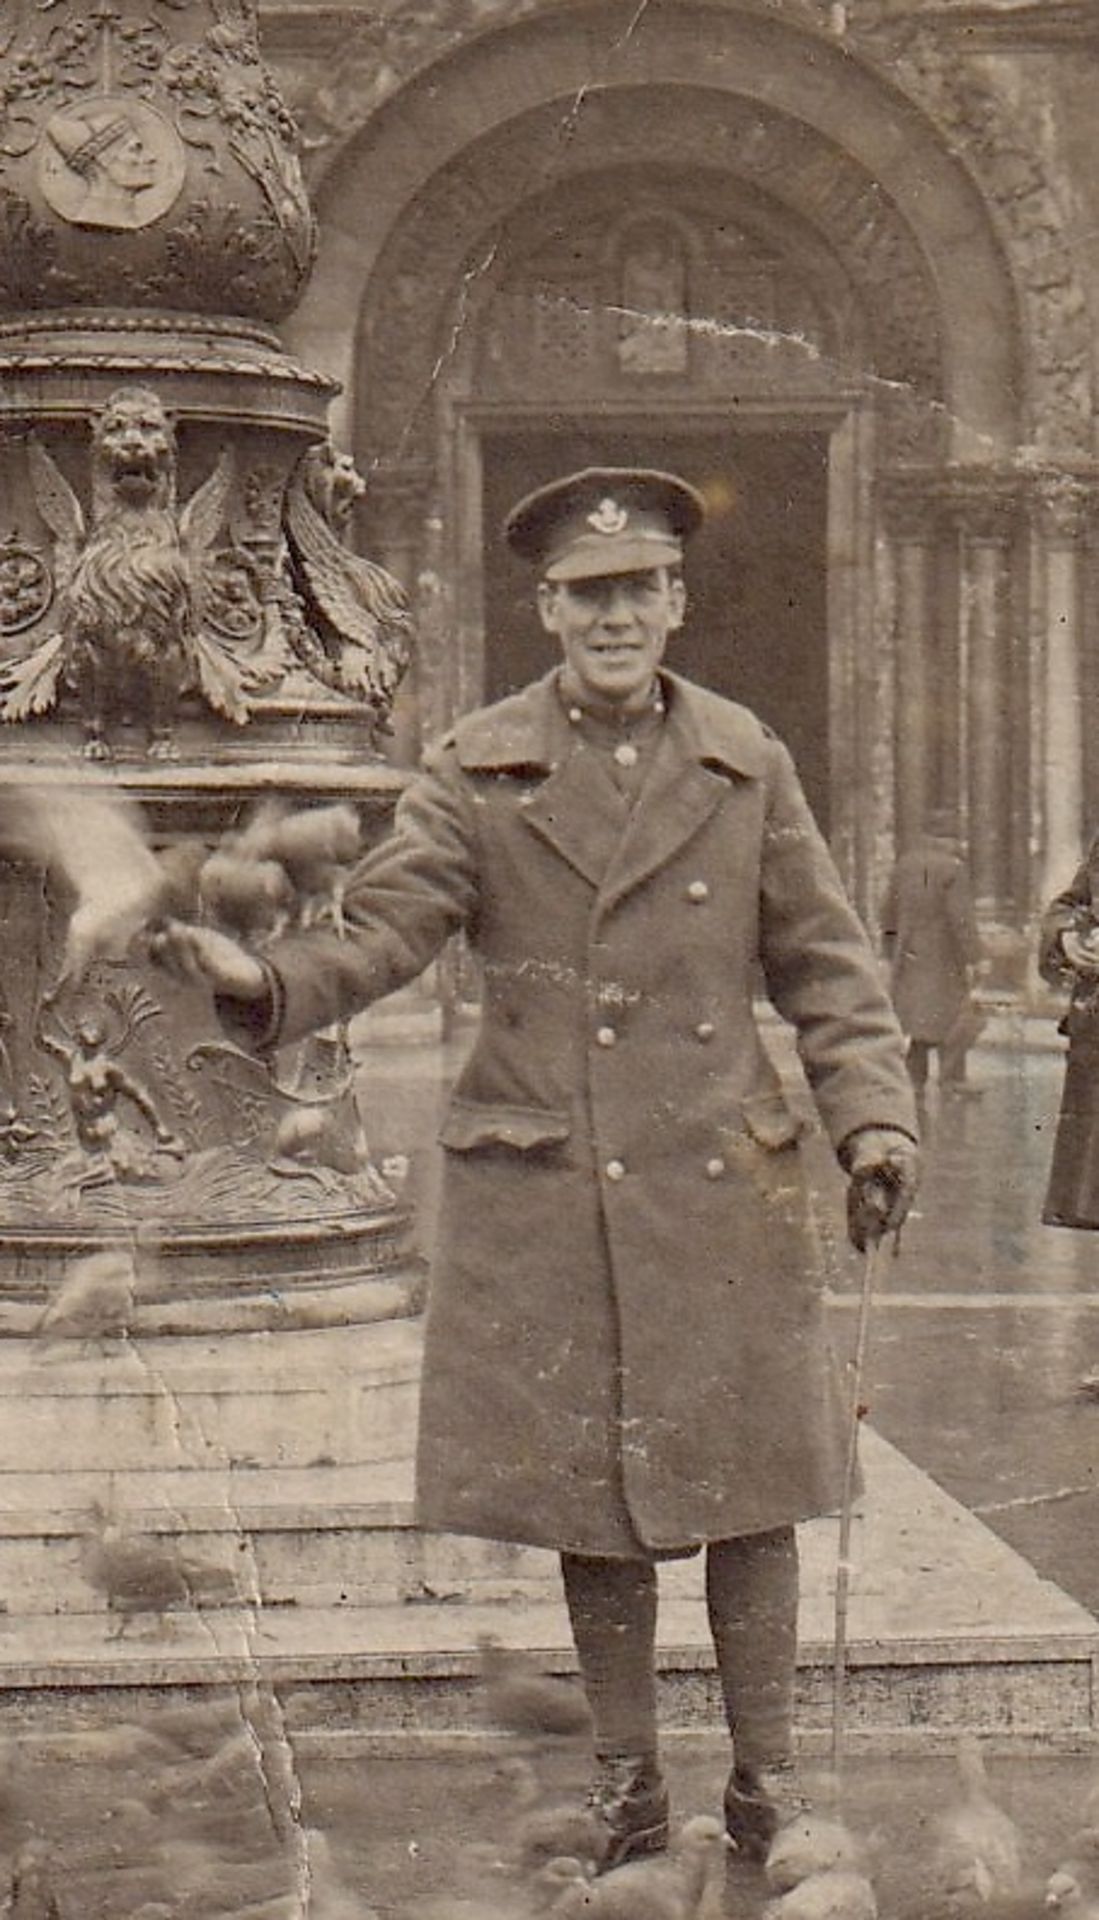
678, 797
577, 808
581, 814
707, 748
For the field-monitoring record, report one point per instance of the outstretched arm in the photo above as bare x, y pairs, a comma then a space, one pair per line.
404, 899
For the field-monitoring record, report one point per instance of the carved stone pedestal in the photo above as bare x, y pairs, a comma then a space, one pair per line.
205, 1274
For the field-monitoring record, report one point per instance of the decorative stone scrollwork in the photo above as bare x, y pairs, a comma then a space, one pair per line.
983, 502
110, 123
157, 605
984, 129
1064, 505
812, 196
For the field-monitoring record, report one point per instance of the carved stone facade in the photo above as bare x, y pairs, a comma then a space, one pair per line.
857, 218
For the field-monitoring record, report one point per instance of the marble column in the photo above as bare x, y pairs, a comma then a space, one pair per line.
986, 508
1060, 505
911, 518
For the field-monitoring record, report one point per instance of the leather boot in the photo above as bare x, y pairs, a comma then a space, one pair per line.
759, 1801
629, 1799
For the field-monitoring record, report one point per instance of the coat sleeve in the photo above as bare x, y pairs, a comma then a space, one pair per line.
822, 974
1062, 913
403, 901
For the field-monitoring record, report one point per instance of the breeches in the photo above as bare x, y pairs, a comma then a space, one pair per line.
752, 1600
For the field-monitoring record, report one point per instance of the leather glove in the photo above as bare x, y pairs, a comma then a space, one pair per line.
883, 1167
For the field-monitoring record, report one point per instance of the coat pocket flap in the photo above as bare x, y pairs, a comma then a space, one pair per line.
469, 1124
770, 1119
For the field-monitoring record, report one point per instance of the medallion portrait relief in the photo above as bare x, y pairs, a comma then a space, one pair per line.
111, 162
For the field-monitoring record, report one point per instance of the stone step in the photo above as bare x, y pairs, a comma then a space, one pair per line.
948, 1626
385, 1678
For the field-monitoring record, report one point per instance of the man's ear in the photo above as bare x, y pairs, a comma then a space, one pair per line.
678, 598
547, 605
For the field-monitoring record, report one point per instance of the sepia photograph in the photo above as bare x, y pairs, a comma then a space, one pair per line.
549, 959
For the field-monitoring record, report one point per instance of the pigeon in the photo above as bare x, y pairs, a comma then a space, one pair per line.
838, 1894
148, 1573
1066, 1893
252, 899
817, 1842
316, 846
674, 1886
525, 1701
978, 1849
95, 840
94, 1300
545, 1830
1074, 1888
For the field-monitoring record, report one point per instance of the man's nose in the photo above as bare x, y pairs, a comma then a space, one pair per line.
618, 606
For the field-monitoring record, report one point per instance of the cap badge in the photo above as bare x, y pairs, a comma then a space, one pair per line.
608, 517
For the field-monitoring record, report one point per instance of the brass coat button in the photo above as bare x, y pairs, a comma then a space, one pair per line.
698, 891
615, 1170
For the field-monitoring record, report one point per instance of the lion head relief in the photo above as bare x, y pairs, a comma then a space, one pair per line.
134, 451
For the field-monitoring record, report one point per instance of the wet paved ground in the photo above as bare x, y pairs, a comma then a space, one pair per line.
987, 1322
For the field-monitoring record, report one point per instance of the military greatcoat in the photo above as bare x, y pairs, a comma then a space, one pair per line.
625, 1345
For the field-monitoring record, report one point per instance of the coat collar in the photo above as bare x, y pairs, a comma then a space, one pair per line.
528, 731
576, 809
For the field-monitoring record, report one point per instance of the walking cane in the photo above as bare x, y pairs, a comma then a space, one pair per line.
871, 1261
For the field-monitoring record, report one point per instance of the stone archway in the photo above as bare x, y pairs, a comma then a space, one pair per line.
566, 63
941, 551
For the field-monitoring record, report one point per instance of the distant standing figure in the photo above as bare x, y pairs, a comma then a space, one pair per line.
929, 932
1069, 956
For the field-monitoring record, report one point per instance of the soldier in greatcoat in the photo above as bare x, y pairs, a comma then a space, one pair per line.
625, 1351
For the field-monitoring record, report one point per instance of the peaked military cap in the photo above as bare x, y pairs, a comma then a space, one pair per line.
605, 520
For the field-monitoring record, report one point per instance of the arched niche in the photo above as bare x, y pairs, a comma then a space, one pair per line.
555, 72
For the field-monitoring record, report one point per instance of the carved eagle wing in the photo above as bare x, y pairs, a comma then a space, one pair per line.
201, 520
58, 506
363, 604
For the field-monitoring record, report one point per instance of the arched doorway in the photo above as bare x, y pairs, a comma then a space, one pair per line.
941, 552
653, 306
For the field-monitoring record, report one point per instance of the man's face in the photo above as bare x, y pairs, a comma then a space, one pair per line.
613, 630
